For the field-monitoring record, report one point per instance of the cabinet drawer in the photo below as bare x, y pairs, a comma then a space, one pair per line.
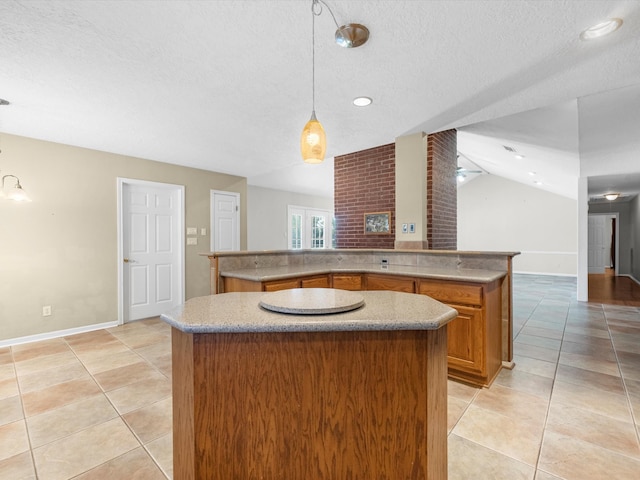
388, 282
347, 282
459, 293
231, 284
281, 284
315, 282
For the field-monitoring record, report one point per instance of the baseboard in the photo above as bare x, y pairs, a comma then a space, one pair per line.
56, 334
547, 274
631, 277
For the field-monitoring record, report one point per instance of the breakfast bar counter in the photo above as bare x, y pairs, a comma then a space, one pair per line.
310, 383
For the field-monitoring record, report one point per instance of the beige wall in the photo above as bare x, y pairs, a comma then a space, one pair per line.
267, 215
61, 249
411, 187
495, 214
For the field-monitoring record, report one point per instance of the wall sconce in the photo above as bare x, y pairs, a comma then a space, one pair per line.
16, 193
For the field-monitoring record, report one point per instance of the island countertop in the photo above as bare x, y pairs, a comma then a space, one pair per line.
240, 312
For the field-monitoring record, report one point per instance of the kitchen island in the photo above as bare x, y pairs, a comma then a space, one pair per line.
265, 394
476, 284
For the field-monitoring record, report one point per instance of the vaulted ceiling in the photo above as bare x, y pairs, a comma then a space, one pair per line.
226, 85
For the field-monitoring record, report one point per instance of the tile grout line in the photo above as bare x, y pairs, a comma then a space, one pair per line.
553, 383
120, 415
624, 383
24, 414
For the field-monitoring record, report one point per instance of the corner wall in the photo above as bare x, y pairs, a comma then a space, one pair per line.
61, 249
496, 214
267, 215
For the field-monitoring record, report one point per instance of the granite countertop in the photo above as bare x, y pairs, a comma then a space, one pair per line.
320, 251
240, 312
265, 274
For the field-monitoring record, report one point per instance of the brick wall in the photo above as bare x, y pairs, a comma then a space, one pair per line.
364, 182
442, 191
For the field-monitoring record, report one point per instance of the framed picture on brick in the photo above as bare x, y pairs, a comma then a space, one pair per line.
377, 222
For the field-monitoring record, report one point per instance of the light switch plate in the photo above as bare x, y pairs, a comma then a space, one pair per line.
192, 241
192, 231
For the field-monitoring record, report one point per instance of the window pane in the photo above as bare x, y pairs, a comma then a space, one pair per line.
296, 231
317, 231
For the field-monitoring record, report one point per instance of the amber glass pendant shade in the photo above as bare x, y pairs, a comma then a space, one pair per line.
313, 142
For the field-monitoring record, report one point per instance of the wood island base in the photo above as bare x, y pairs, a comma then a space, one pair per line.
316, 405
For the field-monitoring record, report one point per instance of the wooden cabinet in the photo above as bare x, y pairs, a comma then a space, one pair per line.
475, 336
347, 281
390, 282
319, 281
276, 285
240, 285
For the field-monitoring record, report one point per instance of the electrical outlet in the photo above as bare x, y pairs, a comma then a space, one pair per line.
46, 311
203, 231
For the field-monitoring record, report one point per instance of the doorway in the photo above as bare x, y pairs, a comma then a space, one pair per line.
225, 221
150, 248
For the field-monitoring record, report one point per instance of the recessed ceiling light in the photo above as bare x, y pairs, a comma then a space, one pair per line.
601, 29
362, 101
519, 157
538, 182
532, 173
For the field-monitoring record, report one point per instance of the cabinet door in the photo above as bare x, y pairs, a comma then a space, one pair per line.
316, 282
347, 281
389, 282
465, 341
281, 285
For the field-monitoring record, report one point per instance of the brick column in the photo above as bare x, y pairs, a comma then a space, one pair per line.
442, 191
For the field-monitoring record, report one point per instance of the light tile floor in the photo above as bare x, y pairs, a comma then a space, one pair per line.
98, 405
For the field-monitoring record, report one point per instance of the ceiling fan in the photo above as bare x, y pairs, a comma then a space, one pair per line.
461, 172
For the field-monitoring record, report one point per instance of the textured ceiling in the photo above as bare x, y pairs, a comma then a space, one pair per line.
226, 85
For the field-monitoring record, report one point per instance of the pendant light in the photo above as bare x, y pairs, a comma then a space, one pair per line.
313, 142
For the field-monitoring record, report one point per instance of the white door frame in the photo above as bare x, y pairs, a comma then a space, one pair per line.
212, 220
617, 245
120, 229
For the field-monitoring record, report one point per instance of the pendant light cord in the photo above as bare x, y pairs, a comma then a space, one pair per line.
313, 53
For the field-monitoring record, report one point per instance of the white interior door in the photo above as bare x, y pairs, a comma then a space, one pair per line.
598, 243
225, 221
152, 249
